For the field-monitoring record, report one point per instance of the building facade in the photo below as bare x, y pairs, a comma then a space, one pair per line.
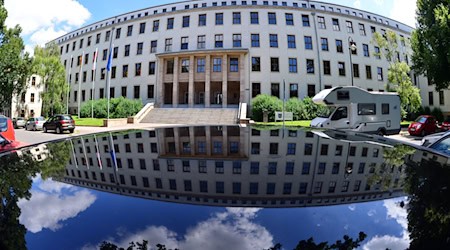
28, 103
211, 53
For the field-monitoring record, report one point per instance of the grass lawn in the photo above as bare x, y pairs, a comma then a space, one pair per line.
304, 123
92, 122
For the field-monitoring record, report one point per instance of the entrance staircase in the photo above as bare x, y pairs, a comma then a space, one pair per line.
197, 116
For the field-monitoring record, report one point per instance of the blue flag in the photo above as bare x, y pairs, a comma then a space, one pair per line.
108, 65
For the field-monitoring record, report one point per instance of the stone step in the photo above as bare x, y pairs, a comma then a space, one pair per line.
200, 116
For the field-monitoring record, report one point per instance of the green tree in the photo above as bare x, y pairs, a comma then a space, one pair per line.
48, 66
399, 79
431, 40
262, 103
14, 64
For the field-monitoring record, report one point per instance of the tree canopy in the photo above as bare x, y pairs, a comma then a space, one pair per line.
431, 41
48, 66
14, 64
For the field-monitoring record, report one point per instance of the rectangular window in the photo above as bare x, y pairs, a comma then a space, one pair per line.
153, 45
366, 50
255, 40
168, 45
291, 41
272, 168
127, 50
219, 18
170, 23
184, 43
336, 26
292, 65
201, 65
155, 26
202, 20
356, 70
139, 49
272, 18
185, 23
311, 90
380, 74
150, 93
305, 20
367, 109
137, 69
254, 18
441, 98
349, 26
339, 48
151, 68
326, 68
308, 42
201, 42
217, 64
141, 28
234, 65
136, 92
324, 43
341, 68
169, 67
236, 17
368, 72
274, 64
129, 30
362, 29
377, 52
125, 71
275, 89
218, 41
293, 92
256, 89
305, 168
310, 66
321, 22
184, 65
290, 19
256, 64
118, 30
236, 40
273, 40
430, 98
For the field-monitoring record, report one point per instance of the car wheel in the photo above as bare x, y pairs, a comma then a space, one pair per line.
34, 128
45, 129
71, 131
58, 130
26, 128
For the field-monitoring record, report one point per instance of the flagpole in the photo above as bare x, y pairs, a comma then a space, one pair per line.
94, 67
108, 80
68, 83
97, 153
79, 84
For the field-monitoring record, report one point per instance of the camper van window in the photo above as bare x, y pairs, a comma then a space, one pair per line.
343, 95
340, 113
385, 109
366, 109
326, 111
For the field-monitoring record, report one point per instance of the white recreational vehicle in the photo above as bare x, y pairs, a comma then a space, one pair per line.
356, 109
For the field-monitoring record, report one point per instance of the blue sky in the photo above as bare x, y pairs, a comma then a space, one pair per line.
45, 20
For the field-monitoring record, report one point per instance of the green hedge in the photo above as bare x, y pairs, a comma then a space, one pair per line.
304, 109
119, 108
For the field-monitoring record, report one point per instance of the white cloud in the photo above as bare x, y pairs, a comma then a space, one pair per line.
46, 209
45, 20
394, 211
232, 229
357, 4
352, 207
404, 11
379, 2
372, 212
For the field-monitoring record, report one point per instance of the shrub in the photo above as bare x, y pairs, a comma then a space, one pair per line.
297, 108
311, 109
119, 108
437, 112
263, 103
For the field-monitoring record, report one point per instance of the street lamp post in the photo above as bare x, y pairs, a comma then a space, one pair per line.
351, 49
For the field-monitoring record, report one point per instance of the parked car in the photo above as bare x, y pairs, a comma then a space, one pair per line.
18, 122
6, 144
442, 144
446, 124
430, 139
7, 128
423, 125
59, 123
35, 123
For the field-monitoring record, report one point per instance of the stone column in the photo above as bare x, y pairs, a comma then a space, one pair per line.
225, 141
208, 140
160, 84
191, 81
224, 80
176, 135
208, 81
242, 74
175, 83
192, 140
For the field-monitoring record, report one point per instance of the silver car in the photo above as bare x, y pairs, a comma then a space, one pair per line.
35, 123
430, 139
18, 122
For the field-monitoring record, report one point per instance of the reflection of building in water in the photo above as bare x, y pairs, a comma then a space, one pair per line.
38, 152
232, 166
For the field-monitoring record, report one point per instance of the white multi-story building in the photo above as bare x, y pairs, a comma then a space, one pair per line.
210, 53
28, 103
226, 165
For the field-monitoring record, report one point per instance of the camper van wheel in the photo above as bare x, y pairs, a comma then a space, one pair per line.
381, 132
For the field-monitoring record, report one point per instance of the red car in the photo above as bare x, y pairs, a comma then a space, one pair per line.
423, 125
7, 128
446, 124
